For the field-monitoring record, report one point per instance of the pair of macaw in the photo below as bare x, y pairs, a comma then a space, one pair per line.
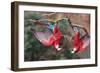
55, 38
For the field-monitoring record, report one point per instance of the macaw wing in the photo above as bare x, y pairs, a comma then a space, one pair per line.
41, 36
86, 41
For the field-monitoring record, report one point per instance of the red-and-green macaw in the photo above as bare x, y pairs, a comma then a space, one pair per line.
80, 42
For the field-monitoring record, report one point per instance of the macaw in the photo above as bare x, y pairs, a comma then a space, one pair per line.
54, 39
80, 43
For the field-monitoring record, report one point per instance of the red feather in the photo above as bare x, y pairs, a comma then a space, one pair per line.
78, 43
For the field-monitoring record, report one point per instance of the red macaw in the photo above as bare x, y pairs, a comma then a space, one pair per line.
54, 39
79, 43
